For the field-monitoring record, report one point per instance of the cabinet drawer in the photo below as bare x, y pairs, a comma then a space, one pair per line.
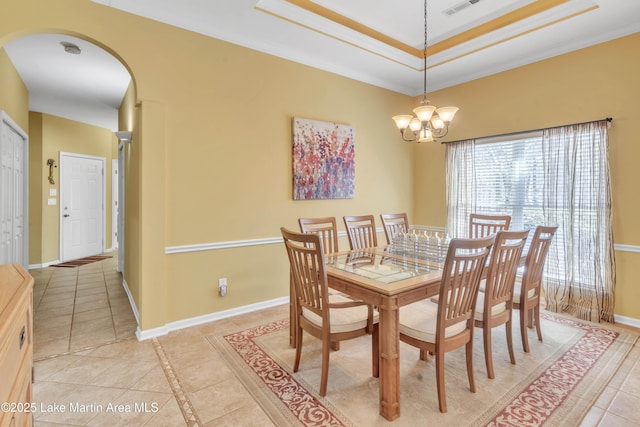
15, 346
21, 394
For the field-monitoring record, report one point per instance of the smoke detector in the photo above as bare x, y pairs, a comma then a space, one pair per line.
71, 48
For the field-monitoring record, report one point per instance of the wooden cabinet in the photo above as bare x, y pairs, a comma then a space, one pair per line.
16, 345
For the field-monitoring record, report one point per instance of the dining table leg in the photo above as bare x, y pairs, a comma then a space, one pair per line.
389, 359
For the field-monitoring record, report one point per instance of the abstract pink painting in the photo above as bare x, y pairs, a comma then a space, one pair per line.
323, 160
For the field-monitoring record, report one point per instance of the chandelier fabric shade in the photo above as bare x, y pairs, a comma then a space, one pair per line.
427, 123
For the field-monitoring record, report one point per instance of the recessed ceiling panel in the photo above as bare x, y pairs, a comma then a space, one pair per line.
403, 20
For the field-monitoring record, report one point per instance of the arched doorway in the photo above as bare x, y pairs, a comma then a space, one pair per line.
75, 92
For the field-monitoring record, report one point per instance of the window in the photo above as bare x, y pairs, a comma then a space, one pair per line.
557, 176
509, 180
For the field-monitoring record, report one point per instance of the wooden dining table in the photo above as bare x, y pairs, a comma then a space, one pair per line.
388, 281
388, 278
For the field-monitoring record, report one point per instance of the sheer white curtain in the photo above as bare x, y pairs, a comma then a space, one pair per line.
569, 166
460, 181
577, 196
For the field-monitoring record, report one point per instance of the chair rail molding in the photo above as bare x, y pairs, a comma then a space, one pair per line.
169, 250
198, 247
626, 248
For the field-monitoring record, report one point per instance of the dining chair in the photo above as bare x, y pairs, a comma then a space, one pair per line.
481, 225
326, 228
526, 291
448, 325
393, 224
494, 305
328, 317
361, 231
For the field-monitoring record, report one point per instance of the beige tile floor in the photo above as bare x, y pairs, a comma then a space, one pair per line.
88, 363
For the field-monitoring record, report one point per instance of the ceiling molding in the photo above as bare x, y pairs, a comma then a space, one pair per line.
378, 43
498, 23
356, 26
483, 29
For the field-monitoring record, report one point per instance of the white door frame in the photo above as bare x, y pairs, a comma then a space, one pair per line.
5, 120
115, 204
121, 168
62, 196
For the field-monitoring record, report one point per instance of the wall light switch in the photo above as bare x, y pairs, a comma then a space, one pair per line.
52, 201
52, 191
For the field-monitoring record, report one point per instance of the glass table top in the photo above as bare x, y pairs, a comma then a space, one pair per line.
383, 265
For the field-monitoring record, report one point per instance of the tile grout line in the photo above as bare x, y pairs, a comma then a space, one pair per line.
106, 288
73, 311
185, 405
79, 350
44, 291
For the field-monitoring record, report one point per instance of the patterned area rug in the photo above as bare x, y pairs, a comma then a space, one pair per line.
555, 384
82, 261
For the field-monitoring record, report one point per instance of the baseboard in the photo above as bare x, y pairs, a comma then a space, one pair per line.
199, 320
132, 302
43, 265
629, 321
194, 321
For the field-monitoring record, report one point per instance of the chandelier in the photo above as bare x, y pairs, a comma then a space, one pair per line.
429, 123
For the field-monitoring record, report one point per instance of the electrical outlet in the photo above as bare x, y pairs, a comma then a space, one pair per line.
222, 286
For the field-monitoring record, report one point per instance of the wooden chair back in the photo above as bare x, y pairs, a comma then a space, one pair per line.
461, 275
526, 297
536, 259
502, 267
481, 225
496, 305
325, 228
361, 231
308, 272
393, 224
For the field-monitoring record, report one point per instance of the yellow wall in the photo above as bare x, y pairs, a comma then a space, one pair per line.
224, 183
129, 171
589, 84
38, 174
14, 99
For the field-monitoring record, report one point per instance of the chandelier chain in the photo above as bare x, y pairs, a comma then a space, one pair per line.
425, 53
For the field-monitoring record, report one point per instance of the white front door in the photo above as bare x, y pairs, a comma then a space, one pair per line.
13, 193
81, 206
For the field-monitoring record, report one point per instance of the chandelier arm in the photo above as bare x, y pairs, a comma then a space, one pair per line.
440, 133
404, 138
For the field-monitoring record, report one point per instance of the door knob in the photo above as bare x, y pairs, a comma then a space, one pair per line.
65, 215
